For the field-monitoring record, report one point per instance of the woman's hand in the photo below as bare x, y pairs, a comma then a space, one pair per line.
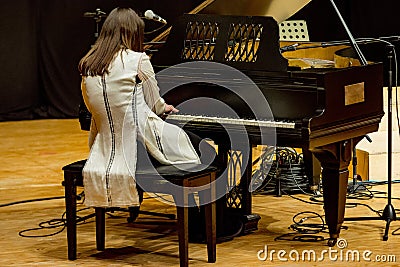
170, 109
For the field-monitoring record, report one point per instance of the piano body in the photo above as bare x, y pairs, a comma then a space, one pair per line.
325, 111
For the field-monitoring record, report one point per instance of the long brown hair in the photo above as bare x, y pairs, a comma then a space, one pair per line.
122, 29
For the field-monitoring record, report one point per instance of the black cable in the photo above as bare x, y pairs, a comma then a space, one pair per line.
307, 228
30, 200
306, 232
54, 224
286, 172
299, 237
58, 223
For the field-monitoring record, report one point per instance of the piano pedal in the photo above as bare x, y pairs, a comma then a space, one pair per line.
80, 196
250, 223
315, 190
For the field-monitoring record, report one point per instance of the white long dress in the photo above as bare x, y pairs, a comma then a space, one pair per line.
123, 113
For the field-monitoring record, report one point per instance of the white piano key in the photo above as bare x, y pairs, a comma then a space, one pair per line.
232, 121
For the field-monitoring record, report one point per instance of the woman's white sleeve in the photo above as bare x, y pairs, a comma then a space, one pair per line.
150, 87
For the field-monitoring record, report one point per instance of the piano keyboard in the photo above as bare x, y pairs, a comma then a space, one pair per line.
245, 122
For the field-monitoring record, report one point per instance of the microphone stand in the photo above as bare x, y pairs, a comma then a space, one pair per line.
83, 113
353, 43
389, 213
97, 16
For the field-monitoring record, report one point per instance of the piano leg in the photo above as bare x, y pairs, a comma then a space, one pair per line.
234, 210
335, 159
249, 219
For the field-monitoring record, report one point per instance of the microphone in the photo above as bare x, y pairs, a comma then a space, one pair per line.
97, 13
149, 14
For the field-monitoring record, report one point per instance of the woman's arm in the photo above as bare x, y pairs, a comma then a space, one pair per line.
150, 88
93, 128
92, 133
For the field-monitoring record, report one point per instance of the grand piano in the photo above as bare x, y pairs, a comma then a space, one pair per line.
218, 58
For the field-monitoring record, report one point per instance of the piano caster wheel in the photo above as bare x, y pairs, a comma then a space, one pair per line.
332, 242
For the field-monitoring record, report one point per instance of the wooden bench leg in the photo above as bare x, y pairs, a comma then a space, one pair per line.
211, 227
100, 228
183, 228
182, 213
211, 232
70, 207
207, 198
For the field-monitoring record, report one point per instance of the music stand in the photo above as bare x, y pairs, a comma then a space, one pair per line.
293, 30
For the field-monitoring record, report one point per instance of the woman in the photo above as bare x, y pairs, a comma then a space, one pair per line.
120, 91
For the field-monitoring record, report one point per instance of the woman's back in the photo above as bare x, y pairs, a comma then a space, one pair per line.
121, 117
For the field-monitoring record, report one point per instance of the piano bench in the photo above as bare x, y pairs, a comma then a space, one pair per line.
192, 179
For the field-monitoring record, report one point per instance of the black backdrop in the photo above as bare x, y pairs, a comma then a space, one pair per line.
43, 40
365, 18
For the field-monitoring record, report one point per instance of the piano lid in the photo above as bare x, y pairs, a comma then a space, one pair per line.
280, 10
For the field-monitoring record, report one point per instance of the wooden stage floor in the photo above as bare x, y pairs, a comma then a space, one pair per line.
32, 155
